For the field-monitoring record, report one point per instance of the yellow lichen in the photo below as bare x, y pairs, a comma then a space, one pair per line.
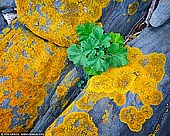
105, 116
119, 0
30, 65
132, 117
120, 99
61, 91
78, 123
56, 21
5, 30
101, 84
147, 111
115, 82
133, 7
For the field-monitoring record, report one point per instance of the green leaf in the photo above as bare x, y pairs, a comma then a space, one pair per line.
105, 40
97, 33
89, 46
113, 48
119, 58
90, 71
75, 54
117, 38
98, 64
84, 30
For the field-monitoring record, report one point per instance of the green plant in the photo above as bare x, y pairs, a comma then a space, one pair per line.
96, 50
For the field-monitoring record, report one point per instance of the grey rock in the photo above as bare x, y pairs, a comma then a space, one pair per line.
161, 14
7, 3
116, 18
3, 22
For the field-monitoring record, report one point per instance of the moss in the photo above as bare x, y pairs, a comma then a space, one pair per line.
30, 64
133, 7
56, 21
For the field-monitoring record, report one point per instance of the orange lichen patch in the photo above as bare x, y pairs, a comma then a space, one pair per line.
144, 0
78, 123
105, 116
156, 97
101, 83
29, 66
156, 63
89, 99
135, 127
137, 77
133, 7
61, 91
119, 0
147, 111
120, 99
6, 30
140, 117
132, 117
56, 20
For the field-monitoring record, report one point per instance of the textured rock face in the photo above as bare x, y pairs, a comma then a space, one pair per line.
7, 3
29, 68
37, 83
3, 22
121, 15
161, 14
56, 20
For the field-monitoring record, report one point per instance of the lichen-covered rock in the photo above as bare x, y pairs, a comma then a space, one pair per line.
59, 98
3, 22
121, 15
107, 115
56, 20
29, 69
161, 14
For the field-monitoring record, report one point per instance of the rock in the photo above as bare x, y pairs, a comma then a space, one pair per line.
3, 22
121, 16
56, 20
7, 3
105, 112
161, 14
29, 70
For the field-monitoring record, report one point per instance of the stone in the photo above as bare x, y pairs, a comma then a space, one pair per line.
105, 113
7, 3
161, 13
121, 16
3, 22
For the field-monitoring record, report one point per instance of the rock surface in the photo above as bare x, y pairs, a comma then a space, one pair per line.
121, 16
3, 22
161, 14
61, 91
7, 3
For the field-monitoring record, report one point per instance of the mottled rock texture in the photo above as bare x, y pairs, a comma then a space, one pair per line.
3, 22
161, 14
121, 16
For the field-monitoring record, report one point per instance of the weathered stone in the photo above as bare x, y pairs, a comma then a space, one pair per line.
121, 16
7, 3
105, 113
29, 70
56, 20
3, 22
161, 14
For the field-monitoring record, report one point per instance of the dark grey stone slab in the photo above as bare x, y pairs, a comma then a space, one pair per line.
3, 22
116, 18
161, 14
7, 3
